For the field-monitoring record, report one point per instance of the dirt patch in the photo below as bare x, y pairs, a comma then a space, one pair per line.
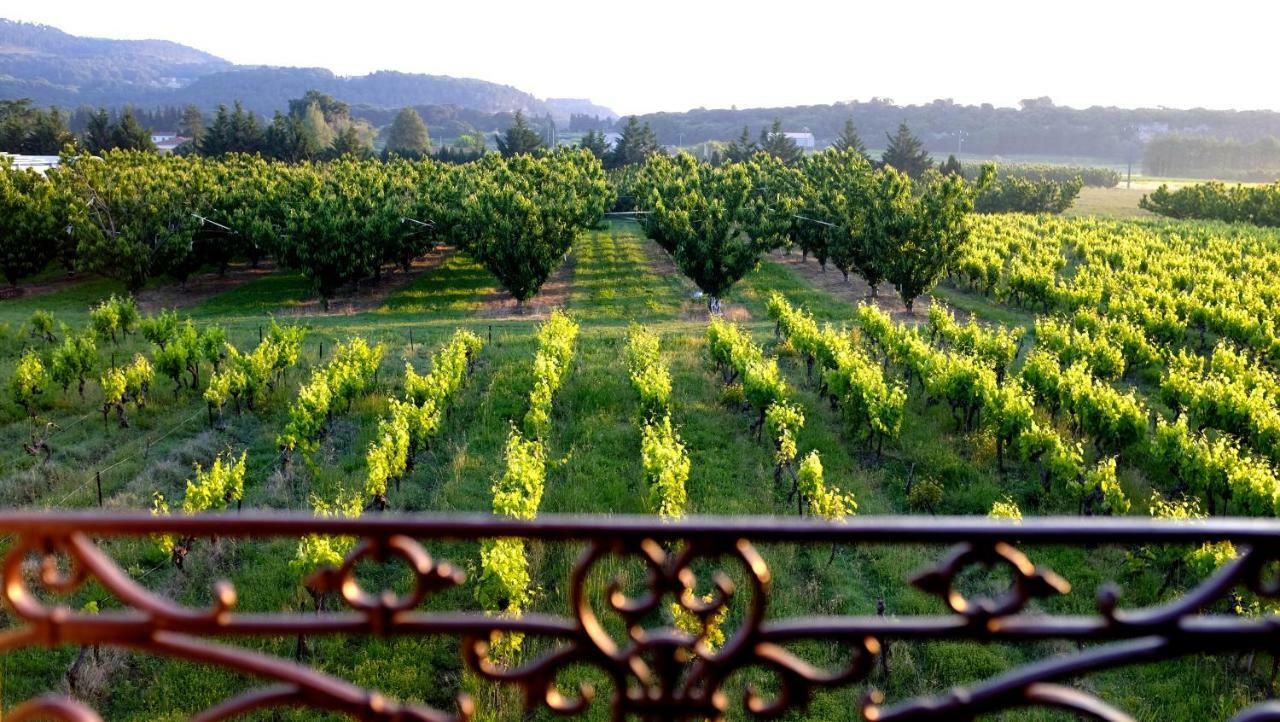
371, 294
854, 290
500, 305
200, 287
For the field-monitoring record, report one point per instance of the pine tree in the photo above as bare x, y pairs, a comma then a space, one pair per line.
906, 153
49, 133
741, 149
952, 167
776, 143
850, 140
519, 139
408, 136
636, 144
217, 138
594, 141
97, 134
129, 134
246, 133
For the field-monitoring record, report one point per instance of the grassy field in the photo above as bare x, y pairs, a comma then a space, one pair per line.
1118, 202
614, 277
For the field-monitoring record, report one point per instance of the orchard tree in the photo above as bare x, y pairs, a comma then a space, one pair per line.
917, 233
332, 230
839, 200
906, 153
523, 214
32, 222
132, 219
716, 224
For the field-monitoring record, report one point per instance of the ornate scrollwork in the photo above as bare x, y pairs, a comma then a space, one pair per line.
659, 665
1028, 582
666, 672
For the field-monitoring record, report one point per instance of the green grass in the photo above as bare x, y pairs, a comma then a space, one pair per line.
616, 278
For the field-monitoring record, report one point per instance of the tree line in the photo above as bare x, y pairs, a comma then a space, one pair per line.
1037, 126
1215, 200
718, 221
135, 216
1179, 155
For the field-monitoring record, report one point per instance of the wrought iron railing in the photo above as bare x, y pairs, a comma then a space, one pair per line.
656, 671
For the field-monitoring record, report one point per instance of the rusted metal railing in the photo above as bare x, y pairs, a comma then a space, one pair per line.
655, 670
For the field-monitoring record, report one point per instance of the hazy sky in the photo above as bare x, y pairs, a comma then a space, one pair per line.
664, 55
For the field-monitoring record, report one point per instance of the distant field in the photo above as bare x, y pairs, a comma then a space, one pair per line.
1119, 202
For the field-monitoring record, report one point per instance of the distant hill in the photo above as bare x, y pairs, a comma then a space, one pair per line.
55, 68
580, 106
51, 66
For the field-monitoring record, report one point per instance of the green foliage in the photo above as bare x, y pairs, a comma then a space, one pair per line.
114, 317
824, 502
217, 487
74, 360
1005, 508
776, 143
555, 352
28, 381
1089, 176
666, 468
649, 376
407, 135
247, 378
34, 214
316, 551
783, 422
706, 628
1099, 490
712, 220
1215, 200
925, 494
519, 138
916, 234
905, 153
1011, 194
849, 140
635, 144
523, 213
995, 344
42, 325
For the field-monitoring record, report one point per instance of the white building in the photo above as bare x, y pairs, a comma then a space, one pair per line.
804, 139
40, 163
168, 143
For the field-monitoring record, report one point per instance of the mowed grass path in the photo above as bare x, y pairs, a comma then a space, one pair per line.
594, 450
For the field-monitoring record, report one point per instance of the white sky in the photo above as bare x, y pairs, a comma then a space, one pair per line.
649, 55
